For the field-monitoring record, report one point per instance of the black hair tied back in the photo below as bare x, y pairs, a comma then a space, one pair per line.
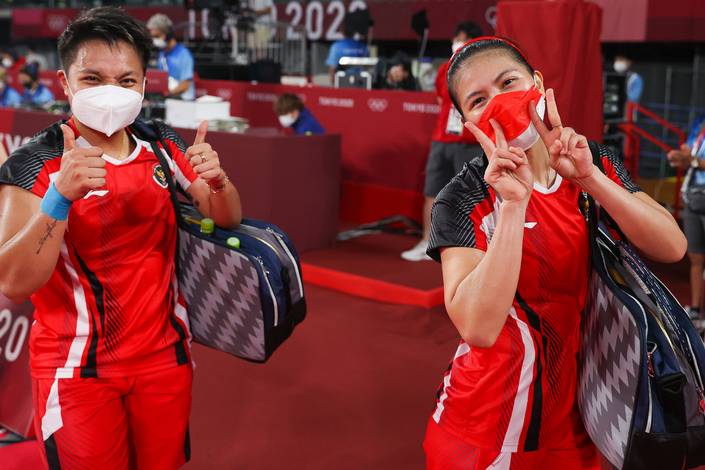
475, 47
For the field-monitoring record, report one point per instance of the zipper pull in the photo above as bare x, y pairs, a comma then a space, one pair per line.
650, 365
701, 406
650, 362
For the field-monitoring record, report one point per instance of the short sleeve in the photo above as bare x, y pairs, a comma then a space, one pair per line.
614, 169
30, 170
185, 71
332, 60
181, 170
462, 215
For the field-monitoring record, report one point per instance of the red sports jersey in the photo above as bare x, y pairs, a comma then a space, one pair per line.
449, 126
111, 307
519, 394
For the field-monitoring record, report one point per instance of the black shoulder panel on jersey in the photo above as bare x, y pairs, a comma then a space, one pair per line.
25, 163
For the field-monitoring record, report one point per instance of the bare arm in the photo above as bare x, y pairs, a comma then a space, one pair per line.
645, 223
30, 242
650, 227
222, 204
223, 207
182, 87
469, 275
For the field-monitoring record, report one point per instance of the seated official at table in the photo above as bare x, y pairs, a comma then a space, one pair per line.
9, 98
35, 95
292, 113
395, 74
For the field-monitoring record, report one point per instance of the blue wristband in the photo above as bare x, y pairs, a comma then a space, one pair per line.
54, 204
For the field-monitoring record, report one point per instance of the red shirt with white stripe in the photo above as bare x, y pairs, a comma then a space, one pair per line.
519, 394
449, 125
111, 307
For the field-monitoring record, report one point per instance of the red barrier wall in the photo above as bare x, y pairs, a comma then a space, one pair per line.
385, 137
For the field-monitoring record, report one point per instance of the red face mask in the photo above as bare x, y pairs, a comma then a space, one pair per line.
511, 111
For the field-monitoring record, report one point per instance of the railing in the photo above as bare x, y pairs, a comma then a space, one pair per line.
634, 133
245, 42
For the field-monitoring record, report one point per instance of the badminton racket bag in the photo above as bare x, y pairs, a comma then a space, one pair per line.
243, 287
642, 362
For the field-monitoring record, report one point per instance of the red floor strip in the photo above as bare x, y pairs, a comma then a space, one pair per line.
369, 288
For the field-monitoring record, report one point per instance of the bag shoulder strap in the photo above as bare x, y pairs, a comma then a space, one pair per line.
587, 203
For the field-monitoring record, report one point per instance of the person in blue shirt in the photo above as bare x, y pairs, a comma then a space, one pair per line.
292, 113
174, 58
35, 94
635, 83
351, 46
691, 157
9, 98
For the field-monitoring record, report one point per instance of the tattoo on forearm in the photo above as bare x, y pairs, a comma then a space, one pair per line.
47, 235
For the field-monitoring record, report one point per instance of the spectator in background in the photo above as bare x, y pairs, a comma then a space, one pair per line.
292, 113
9, 98
635, 83
11, 61
35, 95
395, 74
33, 56
691, 157
451, 144
263, 26
351, 46
174, 58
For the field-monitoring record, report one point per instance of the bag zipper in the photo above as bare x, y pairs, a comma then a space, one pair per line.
695, 358
271, 291
291, 257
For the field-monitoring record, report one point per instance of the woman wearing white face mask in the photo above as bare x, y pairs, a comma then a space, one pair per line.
88, 231
513, 247
293, 114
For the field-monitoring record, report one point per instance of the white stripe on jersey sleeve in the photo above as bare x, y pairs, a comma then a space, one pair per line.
181, 180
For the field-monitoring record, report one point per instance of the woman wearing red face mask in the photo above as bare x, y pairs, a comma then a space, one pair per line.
514, 252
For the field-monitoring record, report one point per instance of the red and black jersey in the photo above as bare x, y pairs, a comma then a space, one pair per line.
519, 394
111, 307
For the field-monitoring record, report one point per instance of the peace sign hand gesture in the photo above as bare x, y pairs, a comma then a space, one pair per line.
508, 171
568, 151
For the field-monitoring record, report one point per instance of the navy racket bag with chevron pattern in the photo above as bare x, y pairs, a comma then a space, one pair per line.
243, 300
642, 363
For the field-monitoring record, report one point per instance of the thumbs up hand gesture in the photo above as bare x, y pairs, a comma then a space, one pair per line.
204, 159
82, 169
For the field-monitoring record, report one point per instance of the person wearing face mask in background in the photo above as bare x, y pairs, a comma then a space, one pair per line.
293, 114
635, 83
451, 144
352, 45
174, 58
11, 62
89, 234
35, 95
514, 252
9, 98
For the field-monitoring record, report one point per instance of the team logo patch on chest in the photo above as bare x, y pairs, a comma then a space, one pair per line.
159, 176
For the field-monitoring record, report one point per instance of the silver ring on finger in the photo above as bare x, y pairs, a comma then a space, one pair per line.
203, 158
